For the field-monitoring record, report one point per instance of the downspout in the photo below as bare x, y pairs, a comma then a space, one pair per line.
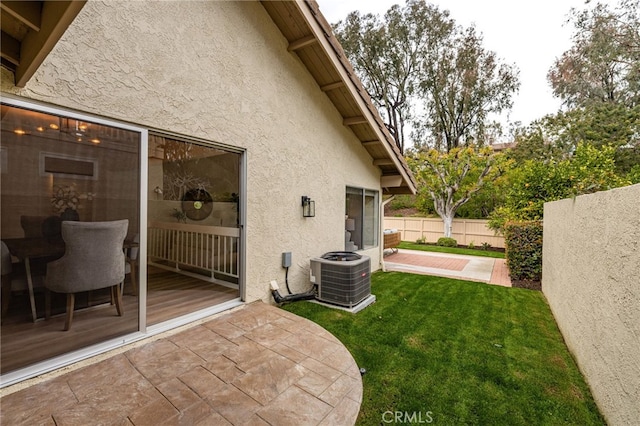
381, 243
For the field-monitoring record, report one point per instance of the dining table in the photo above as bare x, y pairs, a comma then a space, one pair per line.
29, 249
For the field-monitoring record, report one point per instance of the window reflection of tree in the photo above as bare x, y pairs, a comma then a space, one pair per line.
178, 178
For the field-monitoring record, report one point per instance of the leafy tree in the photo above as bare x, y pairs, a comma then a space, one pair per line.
534, 143
461, 84
603, 65
535, 182
417, 57
386, 55
486, 200
451, 178
556, 137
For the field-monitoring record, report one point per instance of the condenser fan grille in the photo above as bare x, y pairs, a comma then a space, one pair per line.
342, 282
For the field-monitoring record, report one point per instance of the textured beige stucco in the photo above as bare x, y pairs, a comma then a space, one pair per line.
220, 71
591, 278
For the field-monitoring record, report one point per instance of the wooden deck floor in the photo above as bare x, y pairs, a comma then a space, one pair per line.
169, 295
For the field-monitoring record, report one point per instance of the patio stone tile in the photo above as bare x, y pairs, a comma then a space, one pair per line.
268, 335
224, 328
168, 366
224, 368
336, 391
100, 375
288, 352
342, 360
312, 345
77, 415
322, 369
313, 328
264, 358
179, 394
313, 383
201, 414
287, 324
203, 342
151, 350
256, 420
233, 404
35, 404
355, 394
158, 412
343, 413
295, 407
269, 377
245, 350
120, 398
249, 319
202, 382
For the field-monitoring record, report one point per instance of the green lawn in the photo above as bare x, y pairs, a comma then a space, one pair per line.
458, 353
455, 250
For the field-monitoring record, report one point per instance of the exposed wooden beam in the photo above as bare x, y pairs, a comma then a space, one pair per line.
371, 143
27, 12
57, 16
383, 162
398, 190
350, 121
10, 48
300, 43
390, 181
332, 86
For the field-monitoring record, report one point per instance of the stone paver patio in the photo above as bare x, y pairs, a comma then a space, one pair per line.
473, 268
255, 365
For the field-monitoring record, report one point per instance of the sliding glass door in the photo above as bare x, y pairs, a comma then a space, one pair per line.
181, 253
193, 227
56, 168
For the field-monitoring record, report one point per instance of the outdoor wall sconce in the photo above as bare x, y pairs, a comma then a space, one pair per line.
308, 207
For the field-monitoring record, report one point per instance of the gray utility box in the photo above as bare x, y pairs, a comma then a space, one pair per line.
343, 278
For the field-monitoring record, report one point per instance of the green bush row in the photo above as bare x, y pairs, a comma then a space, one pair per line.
523, 249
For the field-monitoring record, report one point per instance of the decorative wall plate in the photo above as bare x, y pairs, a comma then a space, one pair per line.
197, 204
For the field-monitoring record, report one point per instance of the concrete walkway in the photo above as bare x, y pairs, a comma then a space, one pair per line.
472, 268
255, 365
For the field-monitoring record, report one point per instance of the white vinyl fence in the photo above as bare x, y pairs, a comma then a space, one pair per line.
465, 231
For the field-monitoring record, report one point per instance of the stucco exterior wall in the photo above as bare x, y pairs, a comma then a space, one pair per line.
223, 75
591, 278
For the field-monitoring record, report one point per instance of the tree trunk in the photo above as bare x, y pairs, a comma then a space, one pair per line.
448, 222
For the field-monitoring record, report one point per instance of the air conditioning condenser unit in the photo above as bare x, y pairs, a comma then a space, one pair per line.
342, 278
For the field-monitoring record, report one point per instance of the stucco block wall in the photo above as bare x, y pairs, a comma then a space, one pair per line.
591, 278
223, 75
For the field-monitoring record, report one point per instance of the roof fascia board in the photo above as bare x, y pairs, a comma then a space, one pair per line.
318, 32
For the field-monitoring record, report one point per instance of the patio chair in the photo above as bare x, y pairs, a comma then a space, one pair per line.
93, 259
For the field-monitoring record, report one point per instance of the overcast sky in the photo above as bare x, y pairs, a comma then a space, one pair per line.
530, 34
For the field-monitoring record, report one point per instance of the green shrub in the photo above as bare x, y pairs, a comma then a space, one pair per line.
523, 248
471, 245
402, 202
486, 246
447, 242
421, 240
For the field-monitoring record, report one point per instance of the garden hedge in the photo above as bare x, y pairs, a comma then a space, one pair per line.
523, 249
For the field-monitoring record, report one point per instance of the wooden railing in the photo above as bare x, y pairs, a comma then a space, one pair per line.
185, 247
